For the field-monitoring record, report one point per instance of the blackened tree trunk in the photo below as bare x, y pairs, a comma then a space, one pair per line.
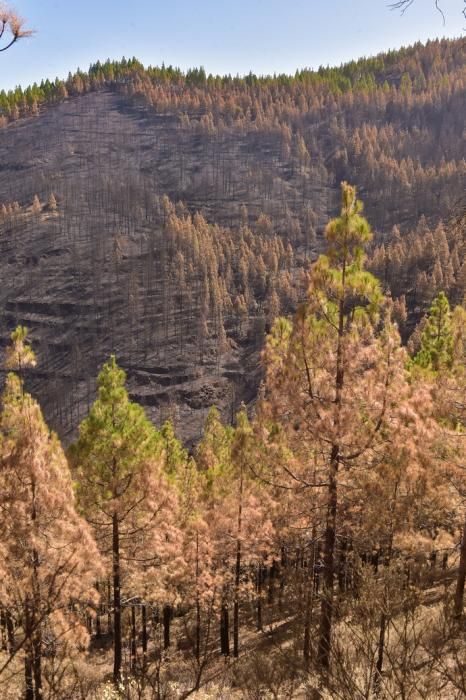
133, 638
109, 608
37, 663
225, 631
4, 644
116, 599
198, 605
461, 578
28, 656
167, 616
310, 580
342, 566
271, 586
259, 597
98, 623
144, 636
36, 624
10, 632
384, 618
238, 568
380, 654
326, 611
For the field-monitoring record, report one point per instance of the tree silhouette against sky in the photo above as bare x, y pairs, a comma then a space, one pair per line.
12, 28
403, 5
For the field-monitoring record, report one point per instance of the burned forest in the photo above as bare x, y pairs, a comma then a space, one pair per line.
233, 335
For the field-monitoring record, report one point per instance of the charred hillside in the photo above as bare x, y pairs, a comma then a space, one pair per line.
119, 260
117, 268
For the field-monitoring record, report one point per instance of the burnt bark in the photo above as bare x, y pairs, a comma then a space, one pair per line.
167, 616
225, 631
144, 636
117, 651
461, 578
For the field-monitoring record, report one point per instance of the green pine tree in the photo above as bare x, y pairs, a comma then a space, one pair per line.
116, 451
318, 380
436, 351
19, 355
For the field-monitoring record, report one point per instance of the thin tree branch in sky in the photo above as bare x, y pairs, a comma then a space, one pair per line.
12, 28
403, 5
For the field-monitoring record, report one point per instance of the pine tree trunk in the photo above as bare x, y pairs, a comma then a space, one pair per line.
36, 624
117, 656
309, 602
28, 671
29, 684
380, 653
7, 631
317, 567
461, 578
37, 663
259, 597
281, 591
144, 636
236, 626
222, 633
342, 567
282, 578
307, 625
98, 625
167, 614
198, 631
325, 629
109, 608
271, 586
384, 618
225, 631
11, 632
198, 606
4, 644
236, 602
238, 569
133, 638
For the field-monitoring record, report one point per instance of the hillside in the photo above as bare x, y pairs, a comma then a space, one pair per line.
124, 264
233, 380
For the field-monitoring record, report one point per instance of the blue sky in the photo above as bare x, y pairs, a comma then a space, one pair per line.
225, 36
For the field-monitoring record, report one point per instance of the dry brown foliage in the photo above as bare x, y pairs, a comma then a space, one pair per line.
12, 27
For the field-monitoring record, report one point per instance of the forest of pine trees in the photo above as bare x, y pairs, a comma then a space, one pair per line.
393, 123
315, 545
168, 217
232, 424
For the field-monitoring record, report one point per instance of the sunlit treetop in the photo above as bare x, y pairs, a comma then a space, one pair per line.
19, 353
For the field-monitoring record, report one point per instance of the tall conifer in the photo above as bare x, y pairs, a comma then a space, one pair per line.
122, 488
48, 558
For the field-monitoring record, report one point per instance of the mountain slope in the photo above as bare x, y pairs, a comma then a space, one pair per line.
183, 299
